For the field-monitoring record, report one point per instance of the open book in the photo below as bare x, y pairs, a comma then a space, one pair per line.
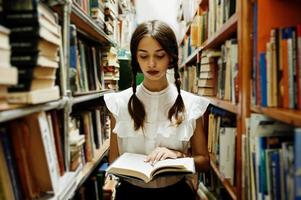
133, 165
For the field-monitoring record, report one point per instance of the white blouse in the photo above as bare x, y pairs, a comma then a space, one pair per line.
158, 130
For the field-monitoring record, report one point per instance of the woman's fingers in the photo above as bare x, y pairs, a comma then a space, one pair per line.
160, 153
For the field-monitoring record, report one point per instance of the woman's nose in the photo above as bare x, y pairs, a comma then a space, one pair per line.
151, 62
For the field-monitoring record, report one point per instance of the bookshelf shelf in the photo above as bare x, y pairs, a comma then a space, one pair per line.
192, 57
89, 96
87, 25
27, 110
90, 166
201, 3
292, 117
226, 31
226, 105
231, 190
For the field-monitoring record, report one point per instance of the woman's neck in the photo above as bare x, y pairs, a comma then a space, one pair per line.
155, 86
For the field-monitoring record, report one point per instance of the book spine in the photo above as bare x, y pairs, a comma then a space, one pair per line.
10, 161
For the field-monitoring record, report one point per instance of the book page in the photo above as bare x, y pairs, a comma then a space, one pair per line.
131, 162
179, 164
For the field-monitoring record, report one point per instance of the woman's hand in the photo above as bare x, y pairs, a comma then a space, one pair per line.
161, 153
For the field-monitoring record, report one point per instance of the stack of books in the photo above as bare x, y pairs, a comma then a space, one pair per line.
111, 67
97, 12
207, 77
9, 75
35, 39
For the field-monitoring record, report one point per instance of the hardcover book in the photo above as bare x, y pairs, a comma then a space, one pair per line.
133, 165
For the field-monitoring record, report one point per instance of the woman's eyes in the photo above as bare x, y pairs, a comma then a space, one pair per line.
160, 56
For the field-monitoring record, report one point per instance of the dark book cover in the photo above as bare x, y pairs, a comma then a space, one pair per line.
95, 128
11, 162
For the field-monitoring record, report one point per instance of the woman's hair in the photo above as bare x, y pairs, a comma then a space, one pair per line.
162, 33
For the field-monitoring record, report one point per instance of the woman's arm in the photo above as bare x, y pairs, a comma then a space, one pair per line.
113, 152
199, 147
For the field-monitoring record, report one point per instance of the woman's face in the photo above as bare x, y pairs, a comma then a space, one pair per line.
153, 59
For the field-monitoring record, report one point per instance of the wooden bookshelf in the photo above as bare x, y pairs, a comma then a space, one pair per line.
90, 166
87, 25
226, 31
231, 189
226, 105
292, 117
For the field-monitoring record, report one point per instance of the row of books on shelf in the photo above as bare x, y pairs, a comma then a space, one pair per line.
204, 25
85, 64
222, 141
277, 72
216, 74
219, 12
34, 157
103, 12
270, 159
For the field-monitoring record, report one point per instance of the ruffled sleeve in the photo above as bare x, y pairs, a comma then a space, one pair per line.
195, 108
111, 101
198, 107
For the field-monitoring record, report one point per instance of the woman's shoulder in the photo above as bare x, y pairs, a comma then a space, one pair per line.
196, 105
191, 98
120, 95
117, 101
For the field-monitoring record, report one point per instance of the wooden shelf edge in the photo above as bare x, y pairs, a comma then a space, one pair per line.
191, 57
87, 25
288, 116
89, 96
231, 190
226, 105
21, 111
90, 166
223, 33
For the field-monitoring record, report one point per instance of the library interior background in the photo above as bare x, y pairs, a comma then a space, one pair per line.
59, 57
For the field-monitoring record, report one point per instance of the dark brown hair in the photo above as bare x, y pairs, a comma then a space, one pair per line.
162, 33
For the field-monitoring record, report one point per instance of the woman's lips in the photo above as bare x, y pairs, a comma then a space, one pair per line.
152, 72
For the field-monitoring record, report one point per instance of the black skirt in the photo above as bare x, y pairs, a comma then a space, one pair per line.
179, 191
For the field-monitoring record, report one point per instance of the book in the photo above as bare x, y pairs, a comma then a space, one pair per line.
133, 166
36, 96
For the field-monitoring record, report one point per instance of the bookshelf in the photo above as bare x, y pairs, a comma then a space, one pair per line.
238, 26
87, 25
226, 105
268, 90
292, 117
225, 182
58, 114
226, 31
87, 170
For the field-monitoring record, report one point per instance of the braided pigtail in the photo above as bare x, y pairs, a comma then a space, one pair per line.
178, 108
135, 106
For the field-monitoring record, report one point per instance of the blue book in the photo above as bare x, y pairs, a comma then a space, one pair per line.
263, 79
275, 162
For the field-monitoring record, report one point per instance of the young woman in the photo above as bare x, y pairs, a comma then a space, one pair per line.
157, 118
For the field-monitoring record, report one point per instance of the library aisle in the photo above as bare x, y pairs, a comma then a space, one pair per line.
58, 58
